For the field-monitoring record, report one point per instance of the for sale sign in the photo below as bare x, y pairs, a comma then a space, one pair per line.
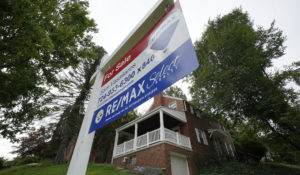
162, 57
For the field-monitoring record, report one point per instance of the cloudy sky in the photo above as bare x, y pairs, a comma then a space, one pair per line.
116, 19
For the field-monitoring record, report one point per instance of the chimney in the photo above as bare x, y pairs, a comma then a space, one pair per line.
158, 101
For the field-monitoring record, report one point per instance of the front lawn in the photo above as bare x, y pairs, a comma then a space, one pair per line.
93, 169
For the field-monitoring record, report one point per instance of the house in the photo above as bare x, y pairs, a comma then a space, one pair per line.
171, 136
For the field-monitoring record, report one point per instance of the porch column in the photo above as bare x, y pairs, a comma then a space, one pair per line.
162, 127
115, 146
135, 136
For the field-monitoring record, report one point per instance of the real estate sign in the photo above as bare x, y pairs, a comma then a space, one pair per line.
162, 57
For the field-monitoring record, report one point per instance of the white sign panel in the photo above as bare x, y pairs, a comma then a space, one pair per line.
162, 57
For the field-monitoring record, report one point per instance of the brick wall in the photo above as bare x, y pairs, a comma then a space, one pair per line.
159, 156
150, 157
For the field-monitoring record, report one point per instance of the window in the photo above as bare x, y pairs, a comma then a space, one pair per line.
192, 110
201, 136
133, 160
173, 105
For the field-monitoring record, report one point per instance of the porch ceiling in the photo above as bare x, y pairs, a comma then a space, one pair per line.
179, 115
152, 123
175, 114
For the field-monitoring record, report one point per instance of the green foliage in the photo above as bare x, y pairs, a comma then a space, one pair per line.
205, 159
175, 91
250, 148
232, 81
235, 168
37, 40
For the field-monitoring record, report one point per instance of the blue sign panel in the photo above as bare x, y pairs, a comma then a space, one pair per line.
167, 55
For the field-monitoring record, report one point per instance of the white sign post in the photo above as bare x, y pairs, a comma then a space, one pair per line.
81, 153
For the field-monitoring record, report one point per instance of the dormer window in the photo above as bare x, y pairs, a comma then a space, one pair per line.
173, 105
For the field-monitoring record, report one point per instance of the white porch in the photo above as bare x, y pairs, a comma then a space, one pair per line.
159, 125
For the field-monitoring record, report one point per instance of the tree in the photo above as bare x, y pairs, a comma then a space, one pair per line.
37, 40
232, 80
35, 144
78, 88
175, 91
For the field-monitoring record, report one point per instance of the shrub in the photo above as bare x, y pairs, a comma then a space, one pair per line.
2, 163
27, 160
204, 159
250, 149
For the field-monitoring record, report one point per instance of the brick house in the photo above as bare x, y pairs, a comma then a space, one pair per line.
171, 136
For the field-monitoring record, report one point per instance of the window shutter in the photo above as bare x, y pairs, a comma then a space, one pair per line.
197, 134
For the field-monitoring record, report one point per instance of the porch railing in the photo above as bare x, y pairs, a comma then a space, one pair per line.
150, 138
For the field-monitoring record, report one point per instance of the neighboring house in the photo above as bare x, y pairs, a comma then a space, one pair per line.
171, 136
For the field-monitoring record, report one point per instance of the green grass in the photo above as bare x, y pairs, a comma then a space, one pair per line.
46, 169
236, 168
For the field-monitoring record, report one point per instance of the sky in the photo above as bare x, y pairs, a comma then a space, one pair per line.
115, 19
